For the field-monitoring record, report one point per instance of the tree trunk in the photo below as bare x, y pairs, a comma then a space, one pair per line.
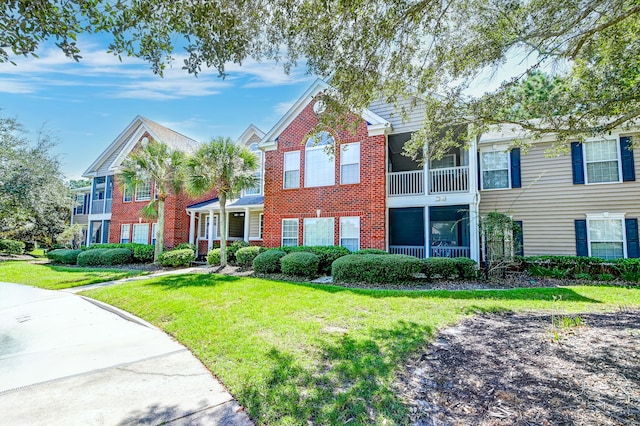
159, 231
223, 228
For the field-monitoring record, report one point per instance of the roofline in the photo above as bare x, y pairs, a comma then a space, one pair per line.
252, 128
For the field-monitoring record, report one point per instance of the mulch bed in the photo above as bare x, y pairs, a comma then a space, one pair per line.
511, 369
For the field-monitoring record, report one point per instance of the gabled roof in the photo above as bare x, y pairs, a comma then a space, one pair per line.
251, 132
375, 123
118, 150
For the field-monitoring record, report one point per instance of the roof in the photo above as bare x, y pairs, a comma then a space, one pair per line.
251, 132
203, 203
250, 200
213, 203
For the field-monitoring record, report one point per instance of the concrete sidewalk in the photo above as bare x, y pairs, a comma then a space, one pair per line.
65, 360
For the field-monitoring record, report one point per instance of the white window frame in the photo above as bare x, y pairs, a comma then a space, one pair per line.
305, 238
145, 198
259, 173
297, 231
503, 149
126, 190
344, 148
341, 227
585, 162
140, 225
154, 227
260, 225
124, 226
295, 155
607, 216
204, 219
312, 147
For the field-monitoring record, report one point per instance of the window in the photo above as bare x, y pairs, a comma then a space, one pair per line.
601, 161
143, 191
260, 225
350, 233
79, 208
154, 228
203, 227
141, 233
127, 195
350, 163
495, 169
292, 169
289, 232
606, 236
319, 165
318, 232
257, 189
125, 232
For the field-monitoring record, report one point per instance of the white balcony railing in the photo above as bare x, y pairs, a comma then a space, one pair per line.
405, 183
450, 179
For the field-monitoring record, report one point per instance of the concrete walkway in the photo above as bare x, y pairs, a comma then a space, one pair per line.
65, 360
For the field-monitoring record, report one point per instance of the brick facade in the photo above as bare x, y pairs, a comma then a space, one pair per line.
365, 199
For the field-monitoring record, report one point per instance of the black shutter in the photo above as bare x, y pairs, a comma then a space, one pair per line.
516, 176
518, 239
577, 163
628, 165
582, 248
633, 248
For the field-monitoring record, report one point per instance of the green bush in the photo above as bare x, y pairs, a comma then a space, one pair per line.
370, 251
183, 246
628, 269
467, 268
443, 268
12, 246
175, 258
303, 264
91, 257
326, 254
116, 256
245, 256
375, 268
66, 257
233, 248
142, 253
268, 262
213, 257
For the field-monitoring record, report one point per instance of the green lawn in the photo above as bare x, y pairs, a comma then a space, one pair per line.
55, 277
295, 352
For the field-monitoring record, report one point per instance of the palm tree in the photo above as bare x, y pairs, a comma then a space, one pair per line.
157, 163
225, 167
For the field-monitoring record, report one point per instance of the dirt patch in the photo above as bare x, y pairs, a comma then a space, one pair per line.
513, 369
235, 271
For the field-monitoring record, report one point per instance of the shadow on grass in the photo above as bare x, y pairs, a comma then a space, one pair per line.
174, 282
352, 383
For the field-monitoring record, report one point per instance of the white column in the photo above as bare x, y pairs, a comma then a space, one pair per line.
474, 230
192, 228
211, 230
246, 224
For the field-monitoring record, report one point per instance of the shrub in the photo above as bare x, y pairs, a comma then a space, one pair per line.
91, 257
142, 253
213, 257
233, 248
303, 264
326, 254
245, 256
467, 268
375, 268
440, 268
183, 246
12, 246
116, 256
66, 257
268, 262
175, 258
628, 269
106, 246
370, 251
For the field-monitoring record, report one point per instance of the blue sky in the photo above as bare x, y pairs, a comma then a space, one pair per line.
87, 104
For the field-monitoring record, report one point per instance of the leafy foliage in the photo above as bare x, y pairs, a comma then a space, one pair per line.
177, 258
12, 246
64, 256
326, 254
375, 268
370, 251
142, 253
91, 257
72, 236
116, 256
268, 262
233, 249
213, 257
302, 263
449, 268
246, 255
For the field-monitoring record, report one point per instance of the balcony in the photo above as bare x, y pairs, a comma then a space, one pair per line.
441, 181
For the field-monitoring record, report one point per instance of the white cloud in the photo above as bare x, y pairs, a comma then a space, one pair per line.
282, 108
16, 87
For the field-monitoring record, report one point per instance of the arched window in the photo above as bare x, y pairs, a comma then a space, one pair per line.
319, 163
256, 190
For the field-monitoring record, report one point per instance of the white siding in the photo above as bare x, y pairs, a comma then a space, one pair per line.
393, 114
254, 224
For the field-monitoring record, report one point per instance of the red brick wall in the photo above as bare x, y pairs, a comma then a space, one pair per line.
366, 199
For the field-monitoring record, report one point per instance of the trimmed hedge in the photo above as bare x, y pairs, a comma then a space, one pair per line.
64, 256
445, 268
142, 253
213, 257
268, 262
233, 248
375, 268
246, 255
91, 257
116, 256
175, 258
303, 264
326, 254
467, 268
12, 246
370, 251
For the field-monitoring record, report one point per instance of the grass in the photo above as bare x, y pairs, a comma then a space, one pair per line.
54, 277
38, 252
292, 352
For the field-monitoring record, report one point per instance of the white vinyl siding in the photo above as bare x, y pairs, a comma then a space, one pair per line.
143, 191
318, 232
125, 231
350, 233
141, 233
292, 169
495, 169
606, 237
319, 165
350, 163
289, 232
601, 161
